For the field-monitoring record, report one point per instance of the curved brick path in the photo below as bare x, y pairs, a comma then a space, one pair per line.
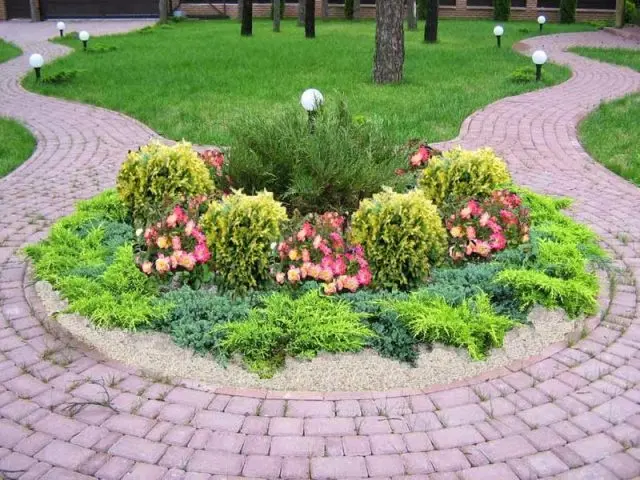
574, 413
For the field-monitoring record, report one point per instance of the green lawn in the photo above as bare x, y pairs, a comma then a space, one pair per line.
16, 145
611, 134
189, 80
8, 51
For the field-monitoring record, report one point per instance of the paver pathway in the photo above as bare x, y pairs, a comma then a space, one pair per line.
574, 413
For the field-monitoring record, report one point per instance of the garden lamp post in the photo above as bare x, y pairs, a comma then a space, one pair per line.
61, 26
36, 61
539, 58
541, 21
84, 36
311, 100
498, 31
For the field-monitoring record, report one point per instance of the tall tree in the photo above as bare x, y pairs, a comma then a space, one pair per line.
310, 19
163, 8
239, 10
356, 9
35, 10
431, 24
301, 14
412, 21
389, 57
325, 8
276, 15
247, 18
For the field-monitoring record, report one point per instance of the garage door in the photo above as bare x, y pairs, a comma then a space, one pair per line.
18, 9
98, 8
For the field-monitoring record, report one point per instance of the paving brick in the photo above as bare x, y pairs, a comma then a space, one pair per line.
63, 454
295, 468
177, 413
348, 408
129, 424
255, 425
179, 435
272, 408
227, 422
506, 448
243, 406
187, 396
617, 410
216, 463
138, 449
256, 445
33, 443
622, 465
387, 444
12, 433
463, 415
16, 462
286, 426
590, 423
454, 397
329, 426
489, 472
542, 415
176, 457
297, 446
310, 408
416, 463
382, 465
114, 469
448, 460
225, 442
261, 466
417, 422
455, 437
544, 438
546, 464
60, 427
144, 471
595, 447
338, 467
356, 445
421, 403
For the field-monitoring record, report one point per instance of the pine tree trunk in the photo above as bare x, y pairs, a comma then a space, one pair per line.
431, 24
301, 9
389, 56
239, 10
310, 19
247, 18
35, 10
276, 15
412, 21
325, 8
356, 9
164, 14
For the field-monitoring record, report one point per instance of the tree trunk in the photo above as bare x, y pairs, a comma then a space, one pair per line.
247, 18
301, 9
389, 56
325, 8
35, 10
431, 24
310, 19
356, 9
164, 11
276, 15
619, 13
239, 10
412, 21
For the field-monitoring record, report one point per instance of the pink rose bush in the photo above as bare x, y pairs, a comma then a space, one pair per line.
215, 160
174, 244
318, 251
479, 228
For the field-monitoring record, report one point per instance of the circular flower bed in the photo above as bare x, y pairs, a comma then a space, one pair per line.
426, 247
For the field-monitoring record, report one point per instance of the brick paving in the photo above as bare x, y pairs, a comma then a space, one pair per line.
572, 412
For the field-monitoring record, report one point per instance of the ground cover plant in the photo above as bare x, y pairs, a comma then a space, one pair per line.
16, 145
611, 133
223, 77
242, 277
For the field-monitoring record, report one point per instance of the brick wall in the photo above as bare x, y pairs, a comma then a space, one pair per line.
461, 10
3, 10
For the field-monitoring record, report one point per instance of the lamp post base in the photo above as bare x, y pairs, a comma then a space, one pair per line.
61, 33
538, 72
499, 38
540, 27
37, 69
84, 43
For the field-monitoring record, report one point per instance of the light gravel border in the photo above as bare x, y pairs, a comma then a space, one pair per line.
156, 354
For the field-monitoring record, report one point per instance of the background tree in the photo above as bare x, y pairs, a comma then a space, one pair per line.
348, 9
163, 8
389, 56
310, 19
239, 10
501, 10
301, 9
35, 10
568, 11
277, 12
431, 23
412, 22
356, 9
247, 18
325, 8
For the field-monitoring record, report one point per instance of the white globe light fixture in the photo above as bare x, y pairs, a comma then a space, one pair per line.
61, 26
84, 36
36, 61
539, 58
311, 100
498, 31
541, 21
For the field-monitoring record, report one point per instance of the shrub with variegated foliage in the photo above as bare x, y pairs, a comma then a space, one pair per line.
240, 230
463, 174
402, 235
158, 176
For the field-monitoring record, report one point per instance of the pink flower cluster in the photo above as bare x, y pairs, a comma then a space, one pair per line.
318, 251
174, 244
418, 160
215, 160
481, 228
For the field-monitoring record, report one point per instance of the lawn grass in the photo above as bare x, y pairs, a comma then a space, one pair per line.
190, 79
16, 145
611, 134
8, 51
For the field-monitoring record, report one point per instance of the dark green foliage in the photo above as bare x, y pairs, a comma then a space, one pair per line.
523, 75
501, 10
393, 338
61, 76
421, 7
193, 315
348, 9
568, 11
631, 12
100, 48
334, 168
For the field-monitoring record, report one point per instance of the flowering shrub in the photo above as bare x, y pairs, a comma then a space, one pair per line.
175, 244
463, 174
402, 235
157, 176
240, 230
480, 228
318, 251
215, 160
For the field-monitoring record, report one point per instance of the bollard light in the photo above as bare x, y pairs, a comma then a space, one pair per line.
311, 100
541, 21
498, 31
36, 61
539, 58
84, 36
61, 26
